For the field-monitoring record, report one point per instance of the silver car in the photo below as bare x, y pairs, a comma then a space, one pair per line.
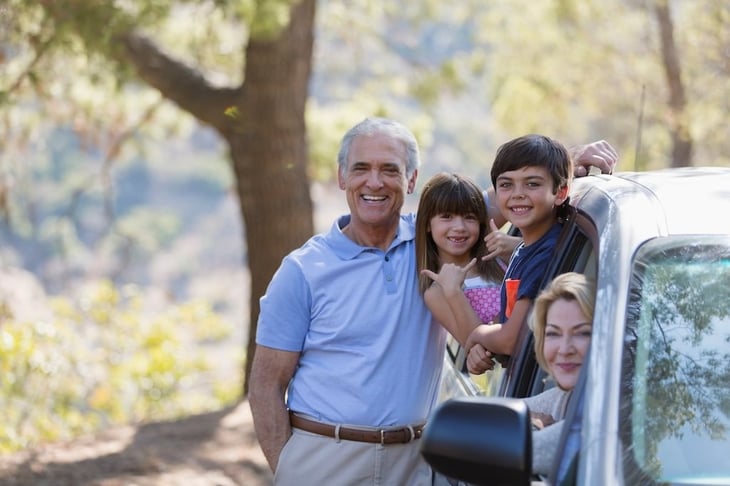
653, 402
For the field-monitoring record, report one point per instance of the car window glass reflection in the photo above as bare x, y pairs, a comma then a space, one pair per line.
677, 373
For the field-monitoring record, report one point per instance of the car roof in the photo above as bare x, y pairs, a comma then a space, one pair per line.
689, 200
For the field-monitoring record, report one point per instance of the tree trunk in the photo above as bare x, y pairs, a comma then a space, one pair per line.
269, 153
679, 120
266, 135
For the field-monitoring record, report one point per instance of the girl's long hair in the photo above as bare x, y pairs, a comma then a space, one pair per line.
453, 194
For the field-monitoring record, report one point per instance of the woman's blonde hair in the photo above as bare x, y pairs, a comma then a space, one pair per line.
569, 286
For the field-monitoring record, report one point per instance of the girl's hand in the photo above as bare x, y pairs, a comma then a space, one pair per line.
450, 277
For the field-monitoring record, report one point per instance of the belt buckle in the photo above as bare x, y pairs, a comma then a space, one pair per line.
409, 428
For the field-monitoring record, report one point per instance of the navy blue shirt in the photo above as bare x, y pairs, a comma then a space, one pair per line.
528, 265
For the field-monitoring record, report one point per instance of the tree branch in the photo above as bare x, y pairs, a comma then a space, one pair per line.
178, 82
40, 49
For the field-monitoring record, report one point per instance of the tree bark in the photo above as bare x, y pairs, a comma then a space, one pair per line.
679, 120
269, 153
263, 122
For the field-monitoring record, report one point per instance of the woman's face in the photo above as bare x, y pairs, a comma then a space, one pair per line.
567, 339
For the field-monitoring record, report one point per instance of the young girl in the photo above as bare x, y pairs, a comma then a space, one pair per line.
450, 230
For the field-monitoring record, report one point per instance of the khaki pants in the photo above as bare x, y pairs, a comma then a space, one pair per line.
311, 459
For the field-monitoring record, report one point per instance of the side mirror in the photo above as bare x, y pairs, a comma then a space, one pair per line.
480, 440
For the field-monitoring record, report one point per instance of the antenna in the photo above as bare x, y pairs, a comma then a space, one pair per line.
639, 126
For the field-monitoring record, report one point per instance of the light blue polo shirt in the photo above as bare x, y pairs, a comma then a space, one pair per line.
370, 352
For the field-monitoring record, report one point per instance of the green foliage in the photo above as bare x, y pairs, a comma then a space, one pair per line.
575, 70
150, 230
108, 359
268, 17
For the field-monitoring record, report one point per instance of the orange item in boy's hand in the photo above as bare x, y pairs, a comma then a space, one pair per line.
512, 286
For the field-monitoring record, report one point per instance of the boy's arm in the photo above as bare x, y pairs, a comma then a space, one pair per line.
501, 338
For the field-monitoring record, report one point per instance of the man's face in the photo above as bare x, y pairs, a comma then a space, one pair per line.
375, 180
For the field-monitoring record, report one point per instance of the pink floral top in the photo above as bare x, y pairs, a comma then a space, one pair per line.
483, 297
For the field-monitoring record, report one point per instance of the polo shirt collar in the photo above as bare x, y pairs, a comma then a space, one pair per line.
347, 249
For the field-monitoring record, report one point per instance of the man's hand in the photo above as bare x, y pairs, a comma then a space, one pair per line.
499, 244
598, 154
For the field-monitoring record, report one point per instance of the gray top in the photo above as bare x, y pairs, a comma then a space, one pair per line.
553, 402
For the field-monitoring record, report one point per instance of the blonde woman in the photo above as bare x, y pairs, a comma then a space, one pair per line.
561, 322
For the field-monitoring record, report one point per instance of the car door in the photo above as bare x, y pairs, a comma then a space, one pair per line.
574, 252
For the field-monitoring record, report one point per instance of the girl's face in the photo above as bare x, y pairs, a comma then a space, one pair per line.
567, 339
454, 235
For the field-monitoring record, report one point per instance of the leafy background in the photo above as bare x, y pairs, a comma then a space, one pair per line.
123, 263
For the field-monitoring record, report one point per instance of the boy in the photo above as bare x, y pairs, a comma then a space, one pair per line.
531, 177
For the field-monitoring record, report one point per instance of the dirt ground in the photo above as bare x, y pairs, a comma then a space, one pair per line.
213, 449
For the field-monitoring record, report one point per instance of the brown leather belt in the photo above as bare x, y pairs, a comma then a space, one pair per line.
400, 435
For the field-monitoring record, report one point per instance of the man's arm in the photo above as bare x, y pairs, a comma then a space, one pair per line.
496, 338
598, 154
271, 371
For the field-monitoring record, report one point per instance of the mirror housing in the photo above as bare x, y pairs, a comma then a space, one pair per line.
480, 440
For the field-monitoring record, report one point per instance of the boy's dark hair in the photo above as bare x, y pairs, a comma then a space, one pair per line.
534, 151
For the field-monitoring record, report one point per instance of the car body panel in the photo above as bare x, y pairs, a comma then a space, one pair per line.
661, 203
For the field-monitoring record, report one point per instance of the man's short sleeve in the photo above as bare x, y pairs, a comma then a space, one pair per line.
285, 314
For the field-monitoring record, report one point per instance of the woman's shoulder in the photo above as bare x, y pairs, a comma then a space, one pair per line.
546, 401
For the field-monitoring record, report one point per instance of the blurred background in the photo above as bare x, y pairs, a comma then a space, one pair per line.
158, 158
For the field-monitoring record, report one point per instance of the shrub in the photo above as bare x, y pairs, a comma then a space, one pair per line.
109, 359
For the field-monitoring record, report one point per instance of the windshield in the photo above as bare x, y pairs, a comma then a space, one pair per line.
675, 404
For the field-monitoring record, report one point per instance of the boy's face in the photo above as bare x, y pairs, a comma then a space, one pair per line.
525, 197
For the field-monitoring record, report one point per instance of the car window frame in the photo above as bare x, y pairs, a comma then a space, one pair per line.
574, 251
582, 257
